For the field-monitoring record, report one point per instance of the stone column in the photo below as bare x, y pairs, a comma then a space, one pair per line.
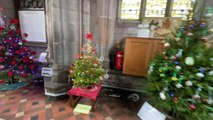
103, 16
65, 28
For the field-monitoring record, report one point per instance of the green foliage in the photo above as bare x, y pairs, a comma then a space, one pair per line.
181, 78
87, 69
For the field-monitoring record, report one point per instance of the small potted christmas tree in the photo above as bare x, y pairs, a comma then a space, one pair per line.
87, 70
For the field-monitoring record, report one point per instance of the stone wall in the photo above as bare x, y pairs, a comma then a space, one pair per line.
9, 8
103, 18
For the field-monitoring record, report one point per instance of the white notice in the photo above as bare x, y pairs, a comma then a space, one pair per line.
147, 112
42, 57
33, 23
47, 72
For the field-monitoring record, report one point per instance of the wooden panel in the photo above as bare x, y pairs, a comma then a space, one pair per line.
136, 56
158, 47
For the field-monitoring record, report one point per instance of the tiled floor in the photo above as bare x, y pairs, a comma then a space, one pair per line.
30, 103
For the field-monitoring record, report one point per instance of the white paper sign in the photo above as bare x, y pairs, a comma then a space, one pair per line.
47, 72
42, 57
147, 112
33, 23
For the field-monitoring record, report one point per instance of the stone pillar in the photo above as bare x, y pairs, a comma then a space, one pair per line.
103, 16
66, 23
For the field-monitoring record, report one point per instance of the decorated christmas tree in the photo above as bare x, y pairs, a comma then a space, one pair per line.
87, 69
16, 59
180, 79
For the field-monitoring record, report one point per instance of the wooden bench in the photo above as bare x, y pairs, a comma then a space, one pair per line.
76, 93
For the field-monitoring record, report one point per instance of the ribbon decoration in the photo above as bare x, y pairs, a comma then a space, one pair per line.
210, 99
187, 41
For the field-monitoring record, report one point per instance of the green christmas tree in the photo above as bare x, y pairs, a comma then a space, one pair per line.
87, 69
180, 80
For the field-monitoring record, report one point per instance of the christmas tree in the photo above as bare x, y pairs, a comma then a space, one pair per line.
87, 69
180, 80
16, 59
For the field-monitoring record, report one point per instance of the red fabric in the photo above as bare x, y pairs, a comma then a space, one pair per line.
1, 82
83, 93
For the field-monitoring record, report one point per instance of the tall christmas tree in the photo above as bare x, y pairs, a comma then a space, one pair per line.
16, 59
180, 80
87, 69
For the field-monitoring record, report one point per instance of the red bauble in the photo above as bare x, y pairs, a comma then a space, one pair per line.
192, 107
22, 49
8, 41
14, 21
1, 47
25, 34
204, 39
1, 60
24, 41
25, 59
32, 67
33, 52
18, 31
13, 62
10, 73
31, 61
10, 32
93, 51
17, 52
23, 74
1, 28
21, 67
15, 45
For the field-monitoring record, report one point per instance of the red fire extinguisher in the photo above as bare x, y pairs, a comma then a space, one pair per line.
119, 60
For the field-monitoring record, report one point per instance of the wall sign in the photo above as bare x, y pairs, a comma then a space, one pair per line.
33, 23
46, 72
24, 4
43, 57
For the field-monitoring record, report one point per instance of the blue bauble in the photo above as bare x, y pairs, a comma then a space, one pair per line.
197, 19
202, 25
171, 94
202, 70
177, 63
191, 26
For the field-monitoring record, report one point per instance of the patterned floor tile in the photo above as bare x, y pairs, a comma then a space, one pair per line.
12, 98
48, 106
108, 118
23, 100
25, 91
30, 103
2, 95
6, 110
19, 114
35, 103
34, 117
61, 109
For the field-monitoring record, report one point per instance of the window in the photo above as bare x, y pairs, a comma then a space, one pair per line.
130, 9
155, 8
180, 8
136, 9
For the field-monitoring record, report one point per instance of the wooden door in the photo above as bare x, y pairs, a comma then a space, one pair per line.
137, 53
